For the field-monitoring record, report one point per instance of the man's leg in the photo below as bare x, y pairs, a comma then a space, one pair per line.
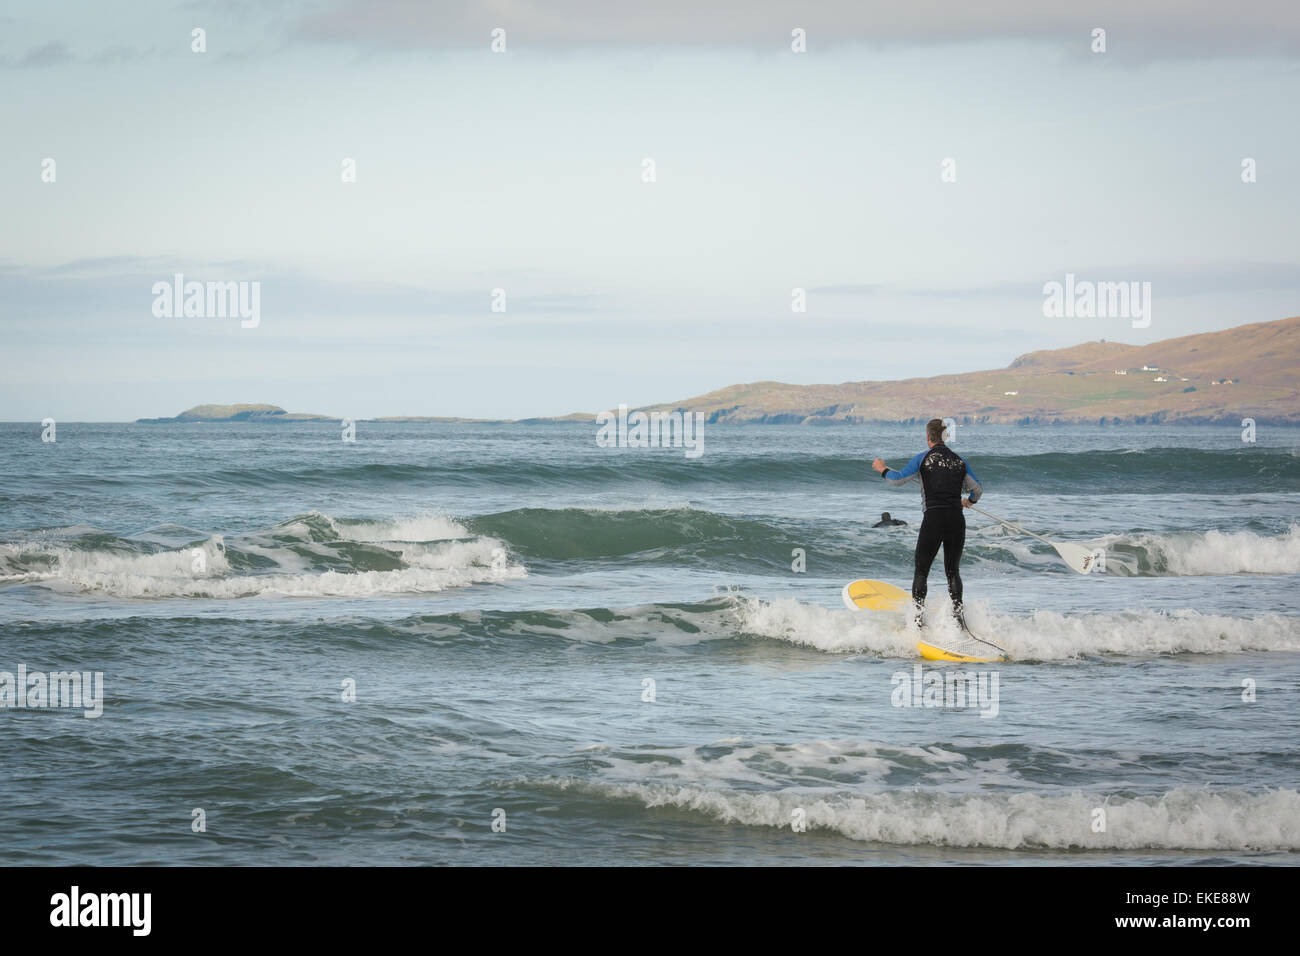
954, 540
927, 546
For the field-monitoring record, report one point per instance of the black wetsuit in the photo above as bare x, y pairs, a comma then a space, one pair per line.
944, 474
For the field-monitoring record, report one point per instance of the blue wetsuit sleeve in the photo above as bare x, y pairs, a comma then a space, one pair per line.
908, 472
972, 484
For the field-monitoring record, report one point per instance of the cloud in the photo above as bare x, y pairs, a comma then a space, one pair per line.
120, 285
1189, 279
1149, 30
849, 289
120, 53
100, 265
51, 54
117, 285
56, 53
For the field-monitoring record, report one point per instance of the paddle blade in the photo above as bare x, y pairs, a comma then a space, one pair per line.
1076, 556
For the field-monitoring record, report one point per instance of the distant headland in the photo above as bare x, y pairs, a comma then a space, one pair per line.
1213, 377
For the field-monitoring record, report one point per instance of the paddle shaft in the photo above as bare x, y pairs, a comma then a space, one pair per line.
1004, 521
1013, 526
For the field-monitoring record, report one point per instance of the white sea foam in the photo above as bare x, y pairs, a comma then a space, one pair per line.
952, 798
420, 528
731, 761
341, 584
1188, 553
1176, 819
321, 584
1211, 552
206, 571
826, 629
1043, 635
90, 568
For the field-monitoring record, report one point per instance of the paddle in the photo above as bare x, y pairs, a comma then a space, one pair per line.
1076, 556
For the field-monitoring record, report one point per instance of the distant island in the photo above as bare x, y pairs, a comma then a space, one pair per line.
274, 414
236, 413
1212, 377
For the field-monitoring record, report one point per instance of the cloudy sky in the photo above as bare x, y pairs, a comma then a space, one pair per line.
523, 170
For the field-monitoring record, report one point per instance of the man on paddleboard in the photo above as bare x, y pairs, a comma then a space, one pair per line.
944, 475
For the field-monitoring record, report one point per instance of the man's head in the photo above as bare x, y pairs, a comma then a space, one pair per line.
884, 516
934, 431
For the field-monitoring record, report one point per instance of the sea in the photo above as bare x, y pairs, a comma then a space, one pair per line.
482, 644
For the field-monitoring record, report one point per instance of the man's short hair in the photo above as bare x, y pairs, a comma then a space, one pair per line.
934, 430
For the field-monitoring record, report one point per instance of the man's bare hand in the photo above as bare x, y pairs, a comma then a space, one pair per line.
878, 464
967, 503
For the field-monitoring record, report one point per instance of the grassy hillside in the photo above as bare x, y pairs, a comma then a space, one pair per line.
1076, 384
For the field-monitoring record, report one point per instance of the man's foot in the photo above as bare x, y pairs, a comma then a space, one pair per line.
961, 621
917, 619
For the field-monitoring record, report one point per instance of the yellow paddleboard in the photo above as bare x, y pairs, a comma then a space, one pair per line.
874, 596
932, 652
866, 595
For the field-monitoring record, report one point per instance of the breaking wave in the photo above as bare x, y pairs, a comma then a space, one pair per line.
310, 555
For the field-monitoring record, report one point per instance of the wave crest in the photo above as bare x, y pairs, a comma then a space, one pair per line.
310, 555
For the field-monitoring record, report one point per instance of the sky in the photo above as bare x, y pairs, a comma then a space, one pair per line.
525, 171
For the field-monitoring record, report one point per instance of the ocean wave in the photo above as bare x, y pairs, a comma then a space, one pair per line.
1040, 636
565, 533
701, 538
1145, 470
420, 528
1200, 553
936, 795
310, 555
680, 536
1180, 819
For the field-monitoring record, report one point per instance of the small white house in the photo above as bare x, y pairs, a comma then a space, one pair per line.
1160, 378
1150, 368
1010, 393
1121, 371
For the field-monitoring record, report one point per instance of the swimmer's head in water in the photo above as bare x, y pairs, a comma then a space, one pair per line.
884, 516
